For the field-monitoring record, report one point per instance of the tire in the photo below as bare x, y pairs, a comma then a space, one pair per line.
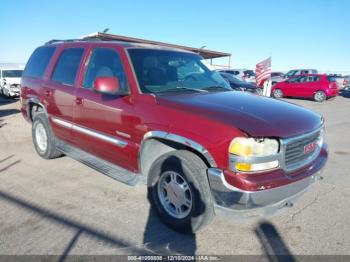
181, 168
278, 93
259, 91
4, 93
43, 139
320, 96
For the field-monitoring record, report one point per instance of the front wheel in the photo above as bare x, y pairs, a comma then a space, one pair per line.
277, 93
178, 188
320, 96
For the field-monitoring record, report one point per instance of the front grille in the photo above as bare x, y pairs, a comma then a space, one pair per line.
294, 150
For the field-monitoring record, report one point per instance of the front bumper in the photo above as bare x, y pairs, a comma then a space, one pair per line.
247, 204
11, 91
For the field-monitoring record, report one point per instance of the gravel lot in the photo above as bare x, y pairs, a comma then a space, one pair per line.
62, 207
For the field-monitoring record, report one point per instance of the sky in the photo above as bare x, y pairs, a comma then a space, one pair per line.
295, 33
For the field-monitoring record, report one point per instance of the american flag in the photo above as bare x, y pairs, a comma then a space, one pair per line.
263, 71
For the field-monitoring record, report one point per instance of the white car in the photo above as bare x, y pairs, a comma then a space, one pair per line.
296, 72
10, 80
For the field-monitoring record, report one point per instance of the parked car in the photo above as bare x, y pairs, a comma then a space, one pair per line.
318, 87
346, 84
296, 72
241, 74
9, 82
240, 85
159, 116
341, 80
277, 77
249, 76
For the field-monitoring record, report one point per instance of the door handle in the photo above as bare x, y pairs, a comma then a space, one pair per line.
79, 101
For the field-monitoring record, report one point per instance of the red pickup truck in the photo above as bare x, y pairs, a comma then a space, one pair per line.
159, 116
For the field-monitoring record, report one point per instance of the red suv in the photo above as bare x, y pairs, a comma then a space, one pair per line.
318, 87
159, 116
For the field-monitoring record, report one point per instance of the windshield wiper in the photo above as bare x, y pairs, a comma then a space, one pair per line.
183, 88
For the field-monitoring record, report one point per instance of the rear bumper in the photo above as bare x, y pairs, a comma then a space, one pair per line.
244, 204
332, 92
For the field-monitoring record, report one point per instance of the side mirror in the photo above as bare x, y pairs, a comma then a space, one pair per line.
107, 85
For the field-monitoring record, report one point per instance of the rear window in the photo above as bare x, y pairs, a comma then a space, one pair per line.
67, 66
331, 79
38, 62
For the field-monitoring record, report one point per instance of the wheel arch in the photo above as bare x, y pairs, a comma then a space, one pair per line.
34, 103
157, 143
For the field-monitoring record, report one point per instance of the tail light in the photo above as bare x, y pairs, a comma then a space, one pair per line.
345, 82
333, 85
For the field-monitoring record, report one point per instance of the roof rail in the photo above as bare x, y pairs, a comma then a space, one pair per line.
85, 39
54, 41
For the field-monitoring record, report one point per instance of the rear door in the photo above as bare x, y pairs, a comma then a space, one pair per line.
312, 84
104, 123
59, 90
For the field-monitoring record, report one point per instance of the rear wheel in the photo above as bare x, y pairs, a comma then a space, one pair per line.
277, 93
179, 190
320, 96
43, 139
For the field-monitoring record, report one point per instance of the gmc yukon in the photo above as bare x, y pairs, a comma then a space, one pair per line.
159, 116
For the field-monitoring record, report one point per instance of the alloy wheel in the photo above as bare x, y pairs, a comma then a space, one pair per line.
175, 194
41, 137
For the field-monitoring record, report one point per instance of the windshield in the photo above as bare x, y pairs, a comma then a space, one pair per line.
162, 70
291, 73
12, 73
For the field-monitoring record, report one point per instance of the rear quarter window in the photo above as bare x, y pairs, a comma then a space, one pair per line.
38, 62
331, 79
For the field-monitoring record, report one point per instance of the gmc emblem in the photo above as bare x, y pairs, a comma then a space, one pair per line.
310, 147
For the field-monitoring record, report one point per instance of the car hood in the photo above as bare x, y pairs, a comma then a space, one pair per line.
255, 115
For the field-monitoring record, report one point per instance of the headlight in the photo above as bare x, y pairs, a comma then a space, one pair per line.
253, 155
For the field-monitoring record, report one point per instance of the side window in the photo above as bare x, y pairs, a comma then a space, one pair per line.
303, 79
38, 62
104, 62
294, 80
313, 79
67, 66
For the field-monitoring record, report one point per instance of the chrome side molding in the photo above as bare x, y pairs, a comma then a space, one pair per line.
89, 132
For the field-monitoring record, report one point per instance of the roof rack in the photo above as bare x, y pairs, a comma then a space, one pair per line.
54, 41
98, 36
